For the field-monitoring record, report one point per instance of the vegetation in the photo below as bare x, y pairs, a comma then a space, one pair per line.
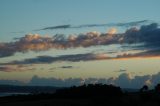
90, 95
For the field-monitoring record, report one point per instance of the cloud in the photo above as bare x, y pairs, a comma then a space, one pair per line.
38, 81
9, 68
6, 68
16, 68
124, 80
138, 81
67, 67
144, 54
134, 23
121, 70
31, 42
54, 82
55, 27
155, 79
50, 59
6, 49
147, 35
112, 31
35, 42
128, 24
82, 57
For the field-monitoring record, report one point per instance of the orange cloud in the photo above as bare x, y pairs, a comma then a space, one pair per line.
112, 31
148, 35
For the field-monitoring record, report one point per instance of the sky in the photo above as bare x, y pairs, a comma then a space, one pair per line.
67, 42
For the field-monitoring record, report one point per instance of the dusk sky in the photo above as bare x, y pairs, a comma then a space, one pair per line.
47, 42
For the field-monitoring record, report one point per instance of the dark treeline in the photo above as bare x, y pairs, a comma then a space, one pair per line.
90, 95
91, 91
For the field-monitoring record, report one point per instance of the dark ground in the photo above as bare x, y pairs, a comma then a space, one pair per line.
90, 95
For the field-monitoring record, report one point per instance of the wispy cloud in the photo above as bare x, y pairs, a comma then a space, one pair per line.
68, 26
55, 27
121, 70
50, 59
6, 68
21, 66
145, 54
14, 68
81, 57
66, 67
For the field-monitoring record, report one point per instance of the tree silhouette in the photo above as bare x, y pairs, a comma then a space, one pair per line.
144, 93
144, 88
157, 88
90, 91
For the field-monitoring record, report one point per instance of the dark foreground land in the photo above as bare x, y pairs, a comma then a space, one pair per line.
87, 95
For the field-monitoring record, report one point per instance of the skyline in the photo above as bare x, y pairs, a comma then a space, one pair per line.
80, 39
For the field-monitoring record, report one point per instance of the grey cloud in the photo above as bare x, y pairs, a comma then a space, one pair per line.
147, 53
83, 57
64, 83
8, 68
124, 80
134, 23
55, 27
148, 35
65, 67
138, 81
155, 79
50, 59
35, 42
6, 50
121, 70
62, 67
15, 68
54, 82
5, 68
24, 44
128, 24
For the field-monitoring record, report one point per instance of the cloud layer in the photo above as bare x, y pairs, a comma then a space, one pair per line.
148, 35
124, 80
50, 59
74, 58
